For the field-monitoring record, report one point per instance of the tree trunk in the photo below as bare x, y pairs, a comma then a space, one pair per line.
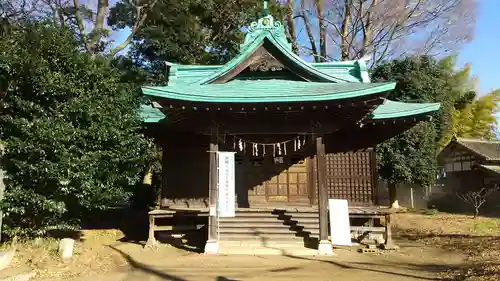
2, 189
310, 35
367, 30
291, 26
392, 196
97, 31
322, 33
476, 212
344, 44
148, 177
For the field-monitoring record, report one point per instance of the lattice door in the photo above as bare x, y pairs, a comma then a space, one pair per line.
350, 176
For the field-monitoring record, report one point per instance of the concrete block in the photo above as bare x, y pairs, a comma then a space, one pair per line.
66, 248
325, 248
212, 247
6, 258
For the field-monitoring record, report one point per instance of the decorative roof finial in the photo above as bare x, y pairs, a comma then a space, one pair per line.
266, 11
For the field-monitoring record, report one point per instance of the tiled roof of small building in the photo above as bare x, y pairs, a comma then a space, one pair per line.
490, 168
487, 149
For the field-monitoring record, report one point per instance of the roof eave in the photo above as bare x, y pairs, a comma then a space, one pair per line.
422, 109
172, 93
150, 114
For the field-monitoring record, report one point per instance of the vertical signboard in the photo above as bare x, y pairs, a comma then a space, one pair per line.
340, 229
225, 184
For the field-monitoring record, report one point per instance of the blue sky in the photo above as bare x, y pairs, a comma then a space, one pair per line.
481, 53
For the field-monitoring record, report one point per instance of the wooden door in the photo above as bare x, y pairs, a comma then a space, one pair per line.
276, 182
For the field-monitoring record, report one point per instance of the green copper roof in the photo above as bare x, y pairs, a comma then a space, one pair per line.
269, 37
328, 81
348, 71
394, 109
149, 114
389, 109
263, 32
267, 91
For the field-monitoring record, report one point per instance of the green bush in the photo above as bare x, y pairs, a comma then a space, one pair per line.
71, 129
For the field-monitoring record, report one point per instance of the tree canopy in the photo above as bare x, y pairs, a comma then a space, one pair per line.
411, 157
70, 126
477, 119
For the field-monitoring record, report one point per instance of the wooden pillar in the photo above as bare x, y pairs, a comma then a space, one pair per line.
389, 243
151, 236
212, 245
324, 247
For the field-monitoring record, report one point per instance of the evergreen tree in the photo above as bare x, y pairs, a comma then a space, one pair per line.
71, 130
411, 157
478, 119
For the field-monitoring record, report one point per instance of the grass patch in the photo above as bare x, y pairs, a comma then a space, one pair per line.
486, 227
430, 212
478, 240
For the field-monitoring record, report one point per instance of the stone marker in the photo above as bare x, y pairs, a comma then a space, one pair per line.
66, 248
6, 258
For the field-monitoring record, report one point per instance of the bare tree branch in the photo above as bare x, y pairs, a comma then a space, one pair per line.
98, 29
389, 28
137, 25
307, 24
476, 198
292, 35
322, 28
81, 27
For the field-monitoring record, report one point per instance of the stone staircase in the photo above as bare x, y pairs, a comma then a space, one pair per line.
275, 231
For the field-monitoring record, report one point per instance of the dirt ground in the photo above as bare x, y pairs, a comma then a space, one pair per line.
433, 247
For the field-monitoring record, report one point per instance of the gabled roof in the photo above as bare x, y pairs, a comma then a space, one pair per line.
267, 91
486, 149
266, 37
266, 31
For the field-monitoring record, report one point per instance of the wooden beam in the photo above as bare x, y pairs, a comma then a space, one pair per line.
212, 245
324, 246
322, 192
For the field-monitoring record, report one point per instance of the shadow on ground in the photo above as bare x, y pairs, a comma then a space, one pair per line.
146, 269
134, 225
377, 267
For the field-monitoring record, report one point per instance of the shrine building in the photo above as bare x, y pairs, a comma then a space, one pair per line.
301, 133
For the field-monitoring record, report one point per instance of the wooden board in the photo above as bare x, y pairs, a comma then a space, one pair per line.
350, 176
273, 183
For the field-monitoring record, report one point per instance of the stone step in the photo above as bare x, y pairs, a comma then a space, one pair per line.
300, 214
237, 224
263, 231
268, 226
254, 214
288, 220
260, 237
253, 223
251, 219
304, 221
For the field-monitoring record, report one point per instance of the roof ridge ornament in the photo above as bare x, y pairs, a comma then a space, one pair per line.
268, 26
